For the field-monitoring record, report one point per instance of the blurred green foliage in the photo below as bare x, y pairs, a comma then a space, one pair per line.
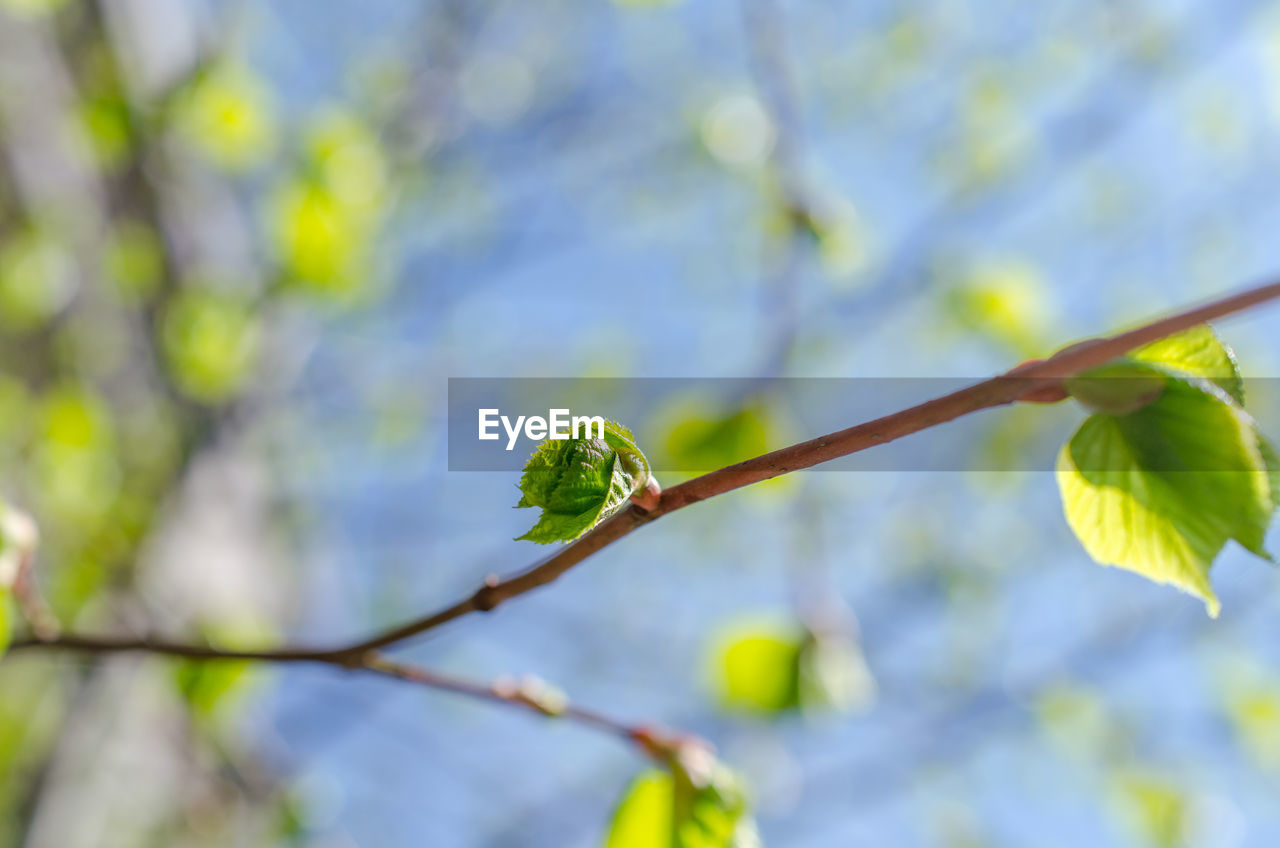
771, 667
226, 116
1156, 809
211, 340
695, 803
325, 218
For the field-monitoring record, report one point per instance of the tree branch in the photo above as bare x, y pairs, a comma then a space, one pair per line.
528, 693
1025, 380
1029, 381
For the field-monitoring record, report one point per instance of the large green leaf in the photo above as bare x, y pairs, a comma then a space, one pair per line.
696, 803
579, 482
1161, 490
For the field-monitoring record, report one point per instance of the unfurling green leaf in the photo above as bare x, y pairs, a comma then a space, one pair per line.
696, 803
1161, 484
579, 482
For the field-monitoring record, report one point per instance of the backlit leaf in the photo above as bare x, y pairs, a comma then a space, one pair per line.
1197, 353
758, 669
1161, 490
696, 803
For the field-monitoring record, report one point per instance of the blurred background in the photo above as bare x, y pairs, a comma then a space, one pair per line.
244, 246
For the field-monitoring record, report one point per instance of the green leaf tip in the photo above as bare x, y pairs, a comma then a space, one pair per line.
695, 802
577, 483
1158, 481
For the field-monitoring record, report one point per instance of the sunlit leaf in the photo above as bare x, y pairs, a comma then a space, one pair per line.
770, 668
759, 669
1161, 490
1197, 353
578, 483
643, 817
696, 803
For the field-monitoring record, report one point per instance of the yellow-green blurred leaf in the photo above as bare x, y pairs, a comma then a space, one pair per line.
319, 248
1156, 809
6, 621
32, 8
698, 803
643, 818
324, 220
37, 279
211, 343
106, 125
226, 116
134, 259
758, 667
1005, 300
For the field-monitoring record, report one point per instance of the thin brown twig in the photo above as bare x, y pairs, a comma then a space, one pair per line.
528, 693
1028, 380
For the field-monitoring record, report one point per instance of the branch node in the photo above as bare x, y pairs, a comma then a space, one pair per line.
487, 597
648, 497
